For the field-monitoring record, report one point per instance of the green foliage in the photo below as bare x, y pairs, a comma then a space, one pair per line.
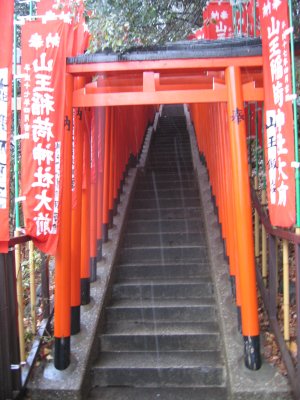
296, 16
121, 24
37, 260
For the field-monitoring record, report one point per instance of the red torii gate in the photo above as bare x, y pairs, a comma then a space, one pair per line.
169, 81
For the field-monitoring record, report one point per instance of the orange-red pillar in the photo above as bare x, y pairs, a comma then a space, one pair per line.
243, 210
62, 300
100, 116
107, 136
85, 213
77, 168
112, 167
93, 202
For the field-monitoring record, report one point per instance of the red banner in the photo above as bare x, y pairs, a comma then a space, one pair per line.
42, 124
73, 14
217, 18
251, 19
279, 138
44, 6
6, 54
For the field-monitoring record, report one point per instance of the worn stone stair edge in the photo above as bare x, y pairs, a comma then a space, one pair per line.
49, 383
266, 383
147, 143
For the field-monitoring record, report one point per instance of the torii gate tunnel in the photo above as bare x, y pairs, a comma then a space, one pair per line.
126, 95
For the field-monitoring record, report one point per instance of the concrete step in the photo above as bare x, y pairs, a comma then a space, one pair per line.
174, 156
160, 203
159, 393
164, 254
156, 176
164, 239
138, 271
182, 155
165, 213
161, 337
138, 224
168, 289
162, 182
175, 337
176, 162
170, 150
176, 193
157, 311
150, 369
173, 169
173, 142
139, 327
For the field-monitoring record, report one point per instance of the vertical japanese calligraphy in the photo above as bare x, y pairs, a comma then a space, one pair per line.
42, 124
279, 138
6, 23
217, 18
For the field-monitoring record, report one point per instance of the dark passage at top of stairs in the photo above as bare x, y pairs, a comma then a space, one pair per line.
161, 339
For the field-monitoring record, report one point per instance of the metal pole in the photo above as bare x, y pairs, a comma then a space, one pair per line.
241, 18
234, 19
32, 286
30, 8
254, 18
286, 291
297, 170
16, 146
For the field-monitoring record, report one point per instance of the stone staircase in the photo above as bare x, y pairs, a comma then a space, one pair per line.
161, 339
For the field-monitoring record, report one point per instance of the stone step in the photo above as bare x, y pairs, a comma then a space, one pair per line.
152, 176
164, 254
174, 337
173, 169
159, 393
159, 203
138, 271
176, 193
138, 225
168, 289
166, 154
150, 369
165, 214
170, 156
156, 311
170, 139
161, 337
138, 327
173, 149
162, 182
174, 153
178, 164
164, 239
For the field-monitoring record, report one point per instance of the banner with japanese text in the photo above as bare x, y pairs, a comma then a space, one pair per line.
42, 128
252, 23
73, 14
44, 6
217, 18
6, 54
279, 134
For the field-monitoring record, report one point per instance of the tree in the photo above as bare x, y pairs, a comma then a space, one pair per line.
120, 24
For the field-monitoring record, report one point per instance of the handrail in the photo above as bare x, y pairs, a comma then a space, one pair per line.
14, 369
279, 232
18, 240
269, 293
